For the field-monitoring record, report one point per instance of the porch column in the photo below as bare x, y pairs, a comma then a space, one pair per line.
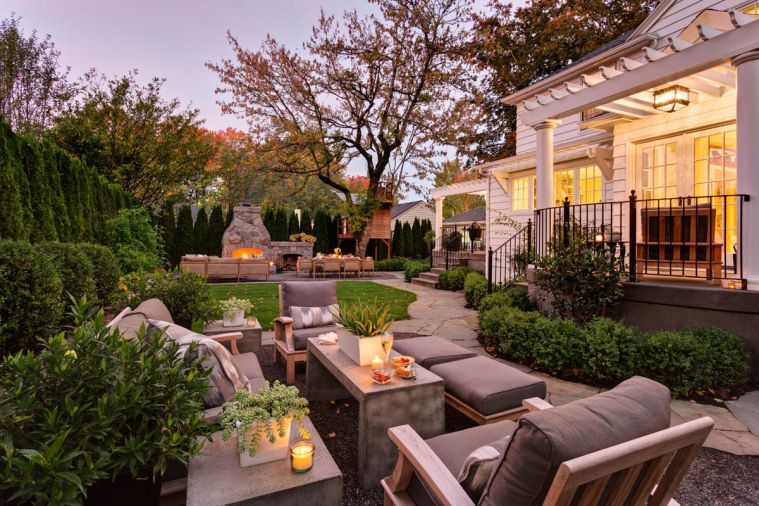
439, 217
544, 162
747, 125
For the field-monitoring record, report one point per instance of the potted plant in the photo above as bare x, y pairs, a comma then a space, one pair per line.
364, 324
234, 310
96, 418
262, 422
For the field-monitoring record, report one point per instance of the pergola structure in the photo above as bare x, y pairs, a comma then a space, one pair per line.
472, 187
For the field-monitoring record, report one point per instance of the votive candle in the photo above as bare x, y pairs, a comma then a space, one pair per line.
377, 362
302, 456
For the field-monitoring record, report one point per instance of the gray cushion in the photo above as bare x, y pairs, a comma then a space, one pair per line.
545, 439
487, 385
306, 294
308, 317
154, 309
431, 350
130, 323
479, 466
300, 336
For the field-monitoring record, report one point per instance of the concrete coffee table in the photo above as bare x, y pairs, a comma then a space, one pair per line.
215, 478
251, 334
331, 375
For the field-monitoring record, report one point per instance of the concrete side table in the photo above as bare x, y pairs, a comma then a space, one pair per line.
215, 478
251, 340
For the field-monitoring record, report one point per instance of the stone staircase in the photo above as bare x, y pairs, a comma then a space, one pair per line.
428, 279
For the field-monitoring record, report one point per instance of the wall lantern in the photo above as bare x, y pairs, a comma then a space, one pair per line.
672, 98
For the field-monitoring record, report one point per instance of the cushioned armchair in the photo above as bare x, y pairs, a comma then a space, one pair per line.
613, 448
289, 340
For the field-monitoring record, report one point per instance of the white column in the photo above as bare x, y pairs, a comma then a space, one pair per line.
439, 217
747, 125
544, 162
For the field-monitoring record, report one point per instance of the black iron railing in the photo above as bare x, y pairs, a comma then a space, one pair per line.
448, 250
508, 262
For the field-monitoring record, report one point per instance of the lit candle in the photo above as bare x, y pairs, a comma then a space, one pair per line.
377, 362
302, 456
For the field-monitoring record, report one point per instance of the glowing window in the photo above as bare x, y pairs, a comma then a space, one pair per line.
563, 186
520, 193
589, 184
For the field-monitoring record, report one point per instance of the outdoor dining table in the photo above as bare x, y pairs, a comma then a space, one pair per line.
320, 262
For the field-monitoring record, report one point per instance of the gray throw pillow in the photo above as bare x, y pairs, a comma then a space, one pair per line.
479, 465
308, 317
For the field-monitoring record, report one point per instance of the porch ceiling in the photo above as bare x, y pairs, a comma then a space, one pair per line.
697, 59
473, 187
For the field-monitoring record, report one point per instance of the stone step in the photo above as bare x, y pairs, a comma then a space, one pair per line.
431, 276
424, 282
438, 270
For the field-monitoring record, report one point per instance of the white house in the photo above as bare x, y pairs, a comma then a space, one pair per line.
668, 111
407, 211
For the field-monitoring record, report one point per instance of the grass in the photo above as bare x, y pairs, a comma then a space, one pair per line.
265, 298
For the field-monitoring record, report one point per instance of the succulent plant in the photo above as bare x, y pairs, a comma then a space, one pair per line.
365, 319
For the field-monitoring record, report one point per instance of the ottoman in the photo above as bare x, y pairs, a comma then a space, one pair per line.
486, 390
431, 350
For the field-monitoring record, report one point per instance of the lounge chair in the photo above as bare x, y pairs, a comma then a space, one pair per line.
289, 342
613, 448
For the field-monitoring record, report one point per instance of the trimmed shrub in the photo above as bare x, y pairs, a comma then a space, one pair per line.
454, 278
134, 241
475, 288
390, 264
397, 249
216, 231
31, 292
200, 233
106, 269
611, 350
75, 269
183, 235
558, 346
413, 268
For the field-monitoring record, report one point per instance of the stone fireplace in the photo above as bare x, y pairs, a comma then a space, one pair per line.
247, 237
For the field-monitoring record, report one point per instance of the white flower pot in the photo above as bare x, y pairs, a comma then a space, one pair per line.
360, 349
234, 318
266, 450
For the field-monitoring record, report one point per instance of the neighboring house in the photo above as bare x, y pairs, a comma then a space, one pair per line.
407, 211
669, 110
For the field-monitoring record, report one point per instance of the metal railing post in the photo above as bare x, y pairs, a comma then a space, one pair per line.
529, 241
490, 269
565, 237
447, 249
432, 253
633, 237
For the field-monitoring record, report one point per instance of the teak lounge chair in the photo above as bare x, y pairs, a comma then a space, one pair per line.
615, 448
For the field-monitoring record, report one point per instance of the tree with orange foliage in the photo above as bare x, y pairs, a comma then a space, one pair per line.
450, 172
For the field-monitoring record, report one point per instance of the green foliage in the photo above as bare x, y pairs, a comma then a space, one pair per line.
293, 225
453, 279
133, 240
200, 233
332, 223
261, 415
216, 230
229, 217
168, 225
390, 264
280, 225
582, 280
475, 288
186, 295
106, 269
413, 268
75, 269
511, 296
233, 303
365, 319
31, 292
92, 407
12, 222
322, 223
408, 241
397, 248
611, 350
305, 223
183, 240
417, 240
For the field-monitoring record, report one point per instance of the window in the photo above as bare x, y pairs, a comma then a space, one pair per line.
520, 193
590, 184
714, 173
563, 186
752, 8
659, 170
534, 192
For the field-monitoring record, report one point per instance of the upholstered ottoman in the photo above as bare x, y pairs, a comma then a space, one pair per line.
430, 350
486, 390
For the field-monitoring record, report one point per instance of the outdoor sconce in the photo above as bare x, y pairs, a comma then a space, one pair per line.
672, 98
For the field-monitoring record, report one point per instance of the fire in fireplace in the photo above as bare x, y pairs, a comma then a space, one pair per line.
247, 253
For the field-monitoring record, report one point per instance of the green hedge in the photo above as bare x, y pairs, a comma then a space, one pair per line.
510, 296
687, 360
390, 264
413, 268
475, 288
75, 269
454, 279
105, 268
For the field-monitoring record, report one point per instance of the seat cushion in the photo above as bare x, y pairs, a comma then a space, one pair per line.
487, 385
300, 336
431, 350
306, 294
154, 309
544, 439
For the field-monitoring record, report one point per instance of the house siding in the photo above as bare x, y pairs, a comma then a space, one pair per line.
680, 14
421, 211
568, 131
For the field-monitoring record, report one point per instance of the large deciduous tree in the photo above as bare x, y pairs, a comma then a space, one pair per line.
514, 48
379, 90
451, 172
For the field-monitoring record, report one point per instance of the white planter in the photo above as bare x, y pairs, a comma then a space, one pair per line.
234, 318
268, 451
360, 349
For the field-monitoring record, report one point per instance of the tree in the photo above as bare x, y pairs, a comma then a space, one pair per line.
321, 231
417, 238
33, 86
515, 48
293, 225
305, 222
280, 225
216, 230
408, 241
200, 233
332, 224
184, 236
168, 231
229, 217
380, 88
396, 244
135, 137
451, 172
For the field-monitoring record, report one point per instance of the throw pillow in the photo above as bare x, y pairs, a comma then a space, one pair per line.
308, 317
479, 465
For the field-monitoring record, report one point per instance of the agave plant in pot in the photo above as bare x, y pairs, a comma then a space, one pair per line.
234, 310
262, 422
364, 324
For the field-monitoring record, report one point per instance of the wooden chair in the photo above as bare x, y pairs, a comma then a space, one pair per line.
642, 470
305, 265
351, 265
367, 266
331, 266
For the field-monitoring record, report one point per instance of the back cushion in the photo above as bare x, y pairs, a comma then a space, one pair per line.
545, 439
154, 309
309, 317
129, 324
307, 294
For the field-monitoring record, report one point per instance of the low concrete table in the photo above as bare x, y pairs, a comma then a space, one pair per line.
251, 340
331, 374
215, 478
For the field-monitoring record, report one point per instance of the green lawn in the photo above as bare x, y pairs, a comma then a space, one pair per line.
266, 300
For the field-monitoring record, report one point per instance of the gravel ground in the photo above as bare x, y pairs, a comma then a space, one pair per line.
716, 478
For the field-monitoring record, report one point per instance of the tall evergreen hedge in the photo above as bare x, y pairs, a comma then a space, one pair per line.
305, 223
321, 231
293, 226
216, 230
408, 241
200, 233
184, 242
416, 239
396, 245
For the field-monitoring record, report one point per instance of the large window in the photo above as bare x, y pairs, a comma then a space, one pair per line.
520, 193
752, 8
714, 173
581, 185
563, 186
589, 184
659, 170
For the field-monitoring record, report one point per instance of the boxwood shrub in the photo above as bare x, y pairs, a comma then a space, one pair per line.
475, 288
75, 268
106, 269
413, 268
453, 279
390, 264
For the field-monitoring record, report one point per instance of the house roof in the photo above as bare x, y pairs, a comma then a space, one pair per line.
621, 39
476, 214
398, 210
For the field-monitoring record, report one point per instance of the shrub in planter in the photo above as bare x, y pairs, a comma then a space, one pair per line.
106, 269
390, 264
75, 268
413, 268
95, 407
185, 294
454, 278
475, 288
32, 294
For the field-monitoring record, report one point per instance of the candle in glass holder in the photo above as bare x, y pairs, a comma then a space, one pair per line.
302, 456
377, 362
251, 321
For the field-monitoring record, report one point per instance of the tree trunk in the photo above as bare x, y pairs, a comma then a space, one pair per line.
361, 243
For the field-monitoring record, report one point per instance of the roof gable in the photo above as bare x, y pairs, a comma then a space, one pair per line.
672, 16
403, 208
